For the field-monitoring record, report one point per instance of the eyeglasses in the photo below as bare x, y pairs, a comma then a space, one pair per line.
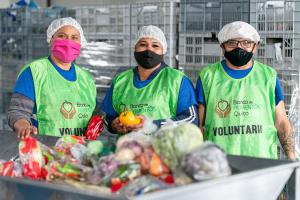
235, 43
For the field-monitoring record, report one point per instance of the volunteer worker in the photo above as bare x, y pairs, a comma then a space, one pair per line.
241, 104
152, 89
52, 95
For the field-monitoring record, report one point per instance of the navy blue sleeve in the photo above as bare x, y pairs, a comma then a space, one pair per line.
187, 116
200, 92
24, 84
109, 120
107, 105
278, 92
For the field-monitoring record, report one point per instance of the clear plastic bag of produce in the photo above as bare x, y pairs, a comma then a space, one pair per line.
12, 168
125, 173
78, 151
142, 185
102, 171
136, 147
122, 175
70, 148
48, 153
206, 162
173, 141
131, 146
32, 159
92, 153
133, 139
63, 170
151, 163
64, 144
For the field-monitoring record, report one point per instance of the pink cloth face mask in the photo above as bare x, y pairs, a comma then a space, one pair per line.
65, 50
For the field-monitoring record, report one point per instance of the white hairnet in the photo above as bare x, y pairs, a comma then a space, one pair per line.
236, 30
152, 32
67, 21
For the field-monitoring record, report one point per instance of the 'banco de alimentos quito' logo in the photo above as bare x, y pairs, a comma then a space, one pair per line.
67, 110
222, 108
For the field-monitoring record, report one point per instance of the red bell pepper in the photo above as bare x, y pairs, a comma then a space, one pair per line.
95, 127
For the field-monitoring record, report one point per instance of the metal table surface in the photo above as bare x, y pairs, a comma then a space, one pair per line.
253, 178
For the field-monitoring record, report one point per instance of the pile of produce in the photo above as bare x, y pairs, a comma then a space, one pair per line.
139, 163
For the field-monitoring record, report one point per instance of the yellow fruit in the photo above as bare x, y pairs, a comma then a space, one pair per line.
127, 118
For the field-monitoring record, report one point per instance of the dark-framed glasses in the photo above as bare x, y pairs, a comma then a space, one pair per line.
235, 43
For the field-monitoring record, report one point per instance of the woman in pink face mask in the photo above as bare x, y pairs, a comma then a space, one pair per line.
54, 96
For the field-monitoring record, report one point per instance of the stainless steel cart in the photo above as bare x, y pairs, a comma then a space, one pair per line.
253, 178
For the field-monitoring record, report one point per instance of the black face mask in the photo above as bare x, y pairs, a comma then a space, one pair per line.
238, 57
148, 59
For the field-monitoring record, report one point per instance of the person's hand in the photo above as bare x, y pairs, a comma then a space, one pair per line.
118, 127
138, 126
292, 156
202, 128
24, 129
25, 132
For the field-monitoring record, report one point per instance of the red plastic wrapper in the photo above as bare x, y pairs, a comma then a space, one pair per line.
31, 157
7, 168
95, 127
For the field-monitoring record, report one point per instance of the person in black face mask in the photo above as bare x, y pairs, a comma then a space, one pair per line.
240, 92
151, 90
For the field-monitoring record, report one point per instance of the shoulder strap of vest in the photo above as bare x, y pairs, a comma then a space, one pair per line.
33, 64
122, 74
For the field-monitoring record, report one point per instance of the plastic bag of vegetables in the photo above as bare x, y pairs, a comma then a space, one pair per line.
31, 157
136, 147
64, 144
206, 162
152, 164
102, 171
133, 139
173, 142
131, 146
123, 175
7, 168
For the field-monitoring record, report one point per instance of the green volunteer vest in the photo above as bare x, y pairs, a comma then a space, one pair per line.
240, 113
63, 107
157, 100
